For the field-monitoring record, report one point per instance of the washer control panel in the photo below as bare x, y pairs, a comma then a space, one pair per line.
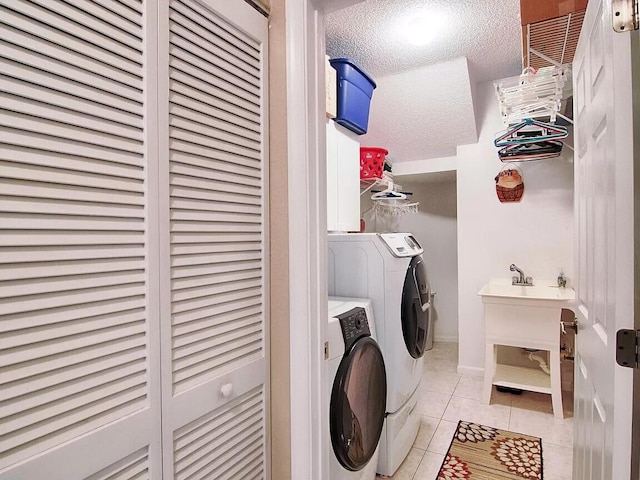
354, 325
401, 244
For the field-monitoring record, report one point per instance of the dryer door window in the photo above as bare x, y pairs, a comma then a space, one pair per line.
415, 308
358, 404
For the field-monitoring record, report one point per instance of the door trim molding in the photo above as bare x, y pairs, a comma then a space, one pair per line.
307, 239
635, 72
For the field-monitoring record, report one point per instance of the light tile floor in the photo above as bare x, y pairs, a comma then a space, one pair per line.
447, 397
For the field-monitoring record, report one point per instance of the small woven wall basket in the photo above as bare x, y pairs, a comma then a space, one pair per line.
509, 185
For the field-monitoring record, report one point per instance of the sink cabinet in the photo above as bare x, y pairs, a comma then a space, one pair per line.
525, 321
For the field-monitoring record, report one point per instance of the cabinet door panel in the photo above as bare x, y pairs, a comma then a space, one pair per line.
78, 293
213, 233
343, 179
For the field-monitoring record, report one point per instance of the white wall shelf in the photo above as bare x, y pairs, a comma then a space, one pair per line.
523, 378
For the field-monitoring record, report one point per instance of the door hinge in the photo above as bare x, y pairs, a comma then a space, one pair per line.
326, 350
627, 348
625, 15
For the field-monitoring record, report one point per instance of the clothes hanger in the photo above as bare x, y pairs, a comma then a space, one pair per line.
527, 109
530, 151
546, 145
549, 132
535, 93
557, 132
395, 191
389, 194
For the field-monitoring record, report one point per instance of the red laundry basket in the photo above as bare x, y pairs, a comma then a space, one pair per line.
372, 162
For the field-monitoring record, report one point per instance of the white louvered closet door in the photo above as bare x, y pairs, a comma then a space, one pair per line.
79, 377
213, 197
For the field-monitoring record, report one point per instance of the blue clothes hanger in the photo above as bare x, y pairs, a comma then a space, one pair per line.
549, 132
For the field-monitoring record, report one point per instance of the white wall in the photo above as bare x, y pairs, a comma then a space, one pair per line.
435, 227
421, 167
536, 234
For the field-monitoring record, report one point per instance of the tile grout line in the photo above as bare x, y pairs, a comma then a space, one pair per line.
413, 477
456, 387
440, 420
438, 426
446, 406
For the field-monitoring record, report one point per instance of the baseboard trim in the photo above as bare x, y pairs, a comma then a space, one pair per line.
445, 339
471, 371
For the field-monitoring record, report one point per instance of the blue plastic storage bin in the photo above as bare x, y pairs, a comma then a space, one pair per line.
355, 89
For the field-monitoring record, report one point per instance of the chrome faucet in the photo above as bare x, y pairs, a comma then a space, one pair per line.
521, 279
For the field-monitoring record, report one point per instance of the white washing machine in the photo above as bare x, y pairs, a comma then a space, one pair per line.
388, 269
357, 387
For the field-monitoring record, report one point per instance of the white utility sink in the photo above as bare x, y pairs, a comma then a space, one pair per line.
543, 293
526, 317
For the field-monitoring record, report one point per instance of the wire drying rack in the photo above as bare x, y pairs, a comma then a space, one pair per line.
391, 208
391, 201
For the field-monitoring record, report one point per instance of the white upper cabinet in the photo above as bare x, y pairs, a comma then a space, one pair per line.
343, 179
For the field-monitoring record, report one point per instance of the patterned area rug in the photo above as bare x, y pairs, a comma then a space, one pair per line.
478, 452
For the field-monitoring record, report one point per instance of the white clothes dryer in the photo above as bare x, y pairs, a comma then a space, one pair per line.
357, 388
388, 269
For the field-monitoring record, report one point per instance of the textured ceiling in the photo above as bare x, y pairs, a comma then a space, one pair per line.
486, 32
423, 106
430, 109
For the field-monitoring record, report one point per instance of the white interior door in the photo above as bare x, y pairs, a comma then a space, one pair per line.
604, 213
79, 356
213, 144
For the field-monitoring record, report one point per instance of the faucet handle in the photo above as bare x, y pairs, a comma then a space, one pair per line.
514, 280
528, 280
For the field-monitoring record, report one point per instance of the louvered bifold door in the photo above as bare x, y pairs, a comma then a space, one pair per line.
77, 389
213, 295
